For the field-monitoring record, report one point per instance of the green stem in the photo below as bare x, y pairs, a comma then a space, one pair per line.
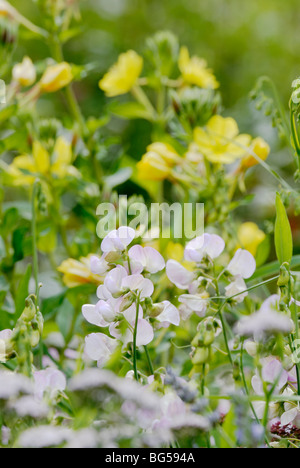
34, 239
149, 360
134, 339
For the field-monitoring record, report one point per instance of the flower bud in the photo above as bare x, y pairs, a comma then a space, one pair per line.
24, 73
34, 338
29, 311
127, 302
56, 77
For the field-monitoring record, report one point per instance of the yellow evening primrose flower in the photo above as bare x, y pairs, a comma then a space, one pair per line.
78, 272
259, 147
195, 72
24, 73
41, 163
56, 77
220, 141
250, 237
158, 162
122, 76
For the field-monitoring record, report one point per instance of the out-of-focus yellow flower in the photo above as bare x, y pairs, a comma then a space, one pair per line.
78, 272
250, 237
56, 77
122, 76
24, 73
41, 163
158, 162
174, 251
259, 147
194, 71
220, 141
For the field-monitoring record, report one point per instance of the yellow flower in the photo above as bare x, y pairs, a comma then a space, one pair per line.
250, 237
24, 73
220, 141
195, 72
157, 163
40, 163
259, 147
78, 272
174, 251
56, 77
122, 76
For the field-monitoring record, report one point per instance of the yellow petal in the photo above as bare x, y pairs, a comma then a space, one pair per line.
223, 127
56, 77
122, 76
41, 158
62, 157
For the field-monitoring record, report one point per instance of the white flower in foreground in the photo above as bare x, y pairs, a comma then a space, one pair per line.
209, 245
267, 321
118, 240
243, 264
99, 347
194, 303
179, 275
145, 258
98, 265
291, 413
169, 315
237, 287
44, 436
49, 380
272, 372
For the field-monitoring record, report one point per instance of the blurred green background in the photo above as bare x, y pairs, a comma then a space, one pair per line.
240, 39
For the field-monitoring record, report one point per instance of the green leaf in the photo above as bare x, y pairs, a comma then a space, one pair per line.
22, 291
64, 318
129, 110
283, 233
119, 178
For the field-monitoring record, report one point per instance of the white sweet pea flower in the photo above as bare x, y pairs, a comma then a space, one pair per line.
49, 380
138, 283
267, 321
114, 279
194, 303
291, 413
118, 239
99, 347
146, 258
169, 315
179, 275
243, 264
272, 371
209, 245
236, 287
98, 265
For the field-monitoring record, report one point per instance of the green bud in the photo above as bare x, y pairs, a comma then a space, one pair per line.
30, 309
127, 302
201, 356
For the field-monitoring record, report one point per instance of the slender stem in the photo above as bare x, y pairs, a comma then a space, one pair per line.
134, 338
34, 239
220, 313
149, 360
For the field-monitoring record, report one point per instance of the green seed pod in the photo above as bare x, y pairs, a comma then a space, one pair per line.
201, 356
29, 311
34, 338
